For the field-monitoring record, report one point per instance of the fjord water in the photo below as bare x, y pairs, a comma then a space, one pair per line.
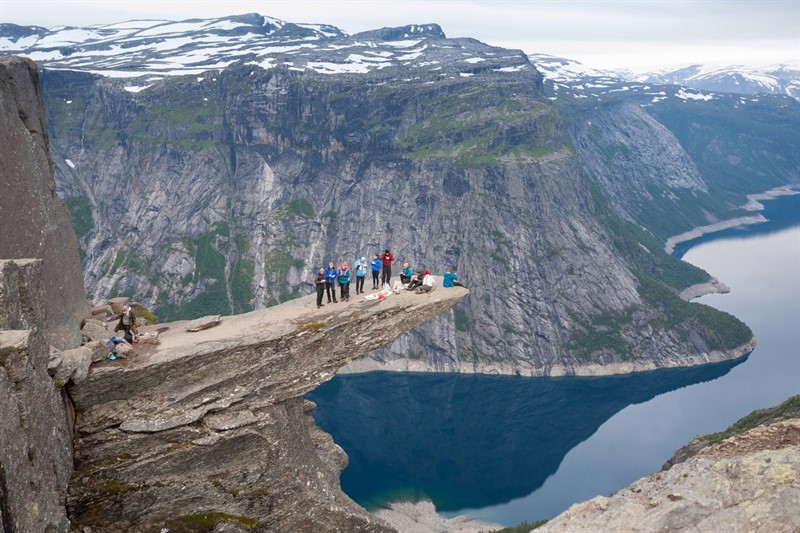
507, 449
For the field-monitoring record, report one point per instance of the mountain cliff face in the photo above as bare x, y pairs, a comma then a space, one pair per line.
223, 192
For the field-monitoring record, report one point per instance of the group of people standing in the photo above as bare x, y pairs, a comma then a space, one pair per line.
327, 278
381, 267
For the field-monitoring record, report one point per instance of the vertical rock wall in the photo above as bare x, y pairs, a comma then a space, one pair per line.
41, 301
35, 222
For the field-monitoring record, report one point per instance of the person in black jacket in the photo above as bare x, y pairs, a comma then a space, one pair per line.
319, 282
330, 281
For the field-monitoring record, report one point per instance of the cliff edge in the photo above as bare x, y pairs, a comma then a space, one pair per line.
211, 427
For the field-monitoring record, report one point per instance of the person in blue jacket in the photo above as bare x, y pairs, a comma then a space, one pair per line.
376, 270
344, 281
450, 279
360, 266
330, 282
405, 274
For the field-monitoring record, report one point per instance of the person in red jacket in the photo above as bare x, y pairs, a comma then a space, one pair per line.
386, 259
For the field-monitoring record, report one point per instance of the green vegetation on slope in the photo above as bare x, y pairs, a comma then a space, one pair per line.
660, 278
476, 128
785, 411
210, 273
80, 211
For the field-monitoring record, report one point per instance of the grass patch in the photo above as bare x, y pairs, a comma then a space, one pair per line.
311, 326
299, 207
604, 332
148, 315
80, 211
211, 519
242, 284
112, 485
785, 411
524, 527
462, 321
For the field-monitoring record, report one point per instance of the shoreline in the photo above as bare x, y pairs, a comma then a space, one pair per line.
712, 286
753, 204
365, 365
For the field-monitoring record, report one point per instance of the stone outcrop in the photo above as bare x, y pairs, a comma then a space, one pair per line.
36, 223
749, 481
213, 424
35, 444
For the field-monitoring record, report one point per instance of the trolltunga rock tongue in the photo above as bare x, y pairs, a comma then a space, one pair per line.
213, 422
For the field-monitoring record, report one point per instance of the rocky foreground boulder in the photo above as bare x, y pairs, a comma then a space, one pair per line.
210, 428
749, 481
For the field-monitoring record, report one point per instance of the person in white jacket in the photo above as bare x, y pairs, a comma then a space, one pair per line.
427, 283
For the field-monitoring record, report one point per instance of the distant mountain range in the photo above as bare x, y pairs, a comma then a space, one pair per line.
778, 79
161, 48
158, 48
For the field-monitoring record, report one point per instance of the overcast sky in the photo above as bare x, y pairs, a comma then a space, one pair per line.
640, 35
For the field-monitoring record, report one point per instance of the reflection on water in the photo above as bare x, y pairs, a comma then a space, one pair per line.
466, 441
475, 442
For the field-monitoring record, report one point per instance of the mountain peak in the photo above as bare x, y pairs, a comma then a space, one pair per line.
403, 32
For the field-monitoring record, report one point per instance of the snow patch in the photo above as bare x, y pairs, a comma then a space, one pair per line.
682, 94
137, 88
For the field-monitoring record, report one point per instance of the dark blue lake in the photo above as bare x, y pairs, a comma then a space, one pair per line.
507, 449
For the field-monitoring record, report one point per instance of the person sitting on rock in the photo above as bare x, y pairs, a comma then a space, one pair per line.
405, 274
416, 281
330, 282
344, 281
127, 323
319, 283
427, 283
451, 279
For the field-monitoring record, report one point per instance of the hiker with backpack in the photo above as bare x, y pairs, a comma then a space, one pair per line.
361, 274
344, 281
127, 323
